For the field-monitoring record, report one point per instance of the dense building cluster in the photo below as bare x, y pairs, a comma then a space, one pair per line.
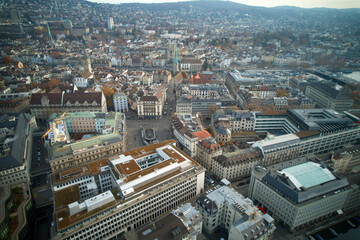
176, 120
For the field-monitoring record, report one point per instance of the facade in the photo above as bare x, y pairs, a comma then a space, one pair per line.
43, 105
130, 190
191, 65
231, 165
206, 151
278, 148
120, 102
81, 82
301, 192
16, 138
327, 97
150, 105
224, 206
183, 106
346, 160
278, 121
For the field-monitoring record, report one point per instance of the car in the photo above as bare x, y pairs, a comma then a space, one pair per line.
248, 181
241, 184
39, 159
164, 113
38, 153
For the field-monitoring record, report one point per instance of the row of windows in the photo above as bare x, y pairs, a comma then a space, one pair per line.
147, 209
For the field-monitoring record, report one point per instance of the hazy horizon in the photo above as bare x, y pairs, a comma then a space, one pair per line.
340, 4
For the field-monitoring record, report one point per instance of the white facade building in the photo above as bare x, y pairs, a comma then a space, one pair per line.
120, 102
110, 23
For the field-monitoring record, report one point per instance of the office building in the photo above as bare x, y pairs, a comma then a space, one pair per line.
225, 207
109, 197
16, 141
328, 97
301, 192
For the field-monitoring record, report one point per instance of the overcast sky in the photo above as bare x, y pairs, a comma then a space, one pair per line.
266, 3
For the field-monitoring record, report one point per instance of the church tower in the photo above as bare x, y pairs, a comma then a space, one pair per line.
87, 61
176, 61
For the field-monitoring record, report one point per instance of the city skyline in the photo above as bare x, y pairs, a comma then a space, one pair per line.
263, 3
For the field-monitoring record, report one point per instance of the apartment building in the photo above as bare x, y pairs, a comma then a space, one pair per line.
206, 151
232, 164
224, 206
328, 97
130, 190
120, 102
43, 105
301, 192
225, 123
16, 141
188, 131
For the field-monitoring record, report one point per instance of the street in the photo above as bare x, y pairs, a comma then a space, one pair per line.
162, 127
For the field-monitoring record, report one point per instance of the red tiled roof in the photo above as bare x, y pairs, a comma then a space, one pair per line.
202, 134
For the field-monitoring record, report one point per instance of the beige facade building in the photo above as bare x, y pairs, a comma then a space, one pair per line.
150, 106
231, 165
207, 150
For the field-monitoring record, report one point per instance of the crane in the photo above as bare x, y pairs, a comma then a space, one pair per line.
56, 121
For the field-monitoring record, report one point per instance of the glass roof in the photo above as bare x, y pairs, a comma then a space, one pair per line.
308, 174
